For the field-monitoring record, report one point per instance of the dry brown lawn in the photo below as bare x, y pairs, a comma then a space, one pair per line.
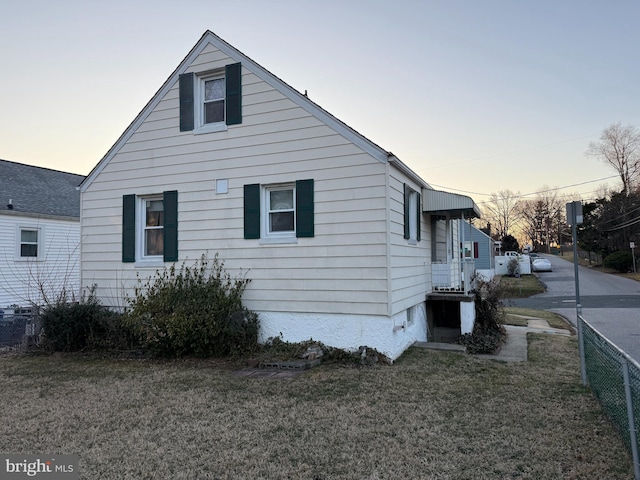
431, 415
520, 287
516, 316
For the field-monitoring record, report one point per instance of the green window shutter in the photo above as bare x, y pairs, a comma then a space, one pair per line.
304, 208
407, 198
252, 211
128, 228
419, 209
170, 201
186, 102
233, 80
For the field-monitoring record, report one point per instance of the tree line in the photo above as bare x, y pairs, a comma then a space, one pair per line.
610, 222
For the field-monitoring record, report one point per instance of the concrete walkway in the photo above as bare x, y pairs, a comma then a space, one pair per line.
515, 347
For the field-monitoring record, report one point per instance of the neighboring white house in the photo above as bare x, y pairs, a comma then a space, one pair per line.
337, 235
39, 234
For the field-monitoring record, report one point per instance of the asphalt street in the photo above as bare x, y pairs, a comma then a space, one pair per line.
611, 304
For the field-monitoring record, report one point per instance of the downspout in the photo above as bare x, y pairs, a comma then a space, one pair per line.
80, 249
464, 252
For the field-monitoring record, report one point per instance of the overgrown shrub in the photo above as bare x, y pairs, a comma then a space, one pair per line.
85, 325
620, 261
488, 333
196, 310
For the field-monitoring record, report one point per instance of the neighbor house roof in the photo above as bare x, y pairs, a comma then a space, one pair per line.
38, 191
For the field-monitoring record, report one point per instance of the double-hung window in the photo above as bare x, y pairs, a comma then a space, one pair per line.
279, 213
210, 101
150, 228
28, 242
280, 210
213, 97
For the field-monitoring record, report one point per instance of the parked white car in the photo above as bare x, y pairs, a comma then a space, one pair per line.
541, 265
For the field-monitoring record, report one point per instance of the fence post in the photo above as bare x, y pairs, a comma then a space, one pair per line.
632, 424
583, 362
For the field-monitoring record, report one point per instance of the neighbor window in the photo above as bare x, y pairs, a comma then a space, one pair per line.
28, 243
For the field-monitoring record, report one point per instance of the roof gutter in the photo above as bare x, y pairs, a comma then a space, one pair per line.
396, 162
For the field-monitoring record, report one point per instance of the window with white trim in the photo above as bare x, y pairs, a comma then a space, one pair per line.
412, 215
209, 101
29, 242
151, 227
212, 97
279, 211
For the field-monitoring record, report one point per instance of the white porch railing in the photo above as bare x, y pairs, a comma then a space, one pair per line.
443, 278
441, 275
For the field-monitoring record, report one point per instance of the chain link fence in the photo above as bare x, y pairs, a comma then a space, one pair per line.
614, 377
19, 327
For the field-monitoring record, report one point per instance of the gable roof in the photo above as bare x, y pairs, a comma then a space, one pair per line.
288, 91
480, 232
38, 191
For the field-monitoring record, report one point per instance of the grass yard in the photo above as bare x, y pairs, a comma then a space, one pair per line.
432, 415
514, 316
521, 287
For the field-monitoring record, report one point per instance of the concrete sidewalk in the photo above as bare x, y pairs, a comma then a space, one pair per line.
515, 347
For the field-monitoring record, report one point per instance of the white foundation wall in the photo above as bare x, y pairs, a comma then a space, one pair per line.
389, 336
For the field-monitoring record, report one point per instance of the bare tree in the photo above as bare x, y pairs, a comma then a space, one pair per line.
542, 218
501, 210
620, 148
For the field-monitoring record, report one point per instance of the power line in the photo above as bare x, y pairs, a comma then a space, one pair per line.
633, 221
526, 194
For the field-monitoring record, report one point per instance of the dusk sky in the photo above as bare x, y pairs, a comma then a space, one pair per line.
475, 96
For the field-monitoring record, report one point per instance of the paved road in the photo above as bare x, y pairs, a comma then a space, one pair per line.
610, 303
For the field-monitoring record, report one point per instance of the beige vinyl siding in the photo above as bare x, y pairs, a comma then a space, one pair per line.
410, 264
443, 239
57, 268
342, 269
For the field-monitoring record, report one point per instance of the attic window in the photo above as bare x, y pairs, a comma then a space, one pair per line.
211, 100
